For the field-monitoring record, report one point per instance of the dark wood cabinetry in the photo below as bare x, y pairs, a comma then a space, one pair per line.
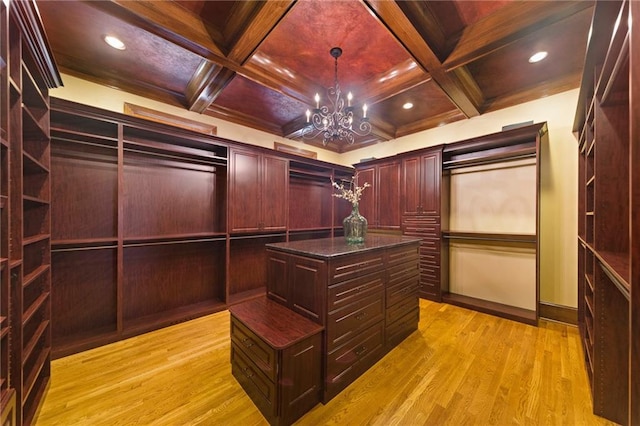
421, 208
380, 204
126, 239
27, 74
606, 125
276, 357
141, 222
257, 192
364, 296
421, 175
432, 269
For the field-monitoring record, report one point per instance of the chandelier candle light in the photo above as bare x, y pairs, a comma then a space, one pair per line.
335, 122
355, 225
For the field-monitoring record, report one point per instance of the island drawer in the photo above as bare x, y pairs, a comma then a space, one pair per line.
402, 327
255, 348
346, 323
260, 389
348, 361
350, 291
356, 266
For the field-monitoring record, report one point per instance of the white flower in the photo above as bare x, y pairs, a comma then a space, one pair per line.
352, 192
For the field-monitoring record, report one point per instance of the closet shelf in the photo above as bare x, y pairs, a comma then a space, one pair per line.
173, 239
490, 237
616, 266
511, 155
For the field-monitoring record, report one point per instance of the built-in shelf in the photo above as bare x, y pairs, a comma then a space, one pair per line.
490, 237
174, 239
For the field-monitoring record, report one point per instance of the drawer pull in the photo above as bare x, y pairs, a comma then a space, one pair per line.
247, 342
247, 372
360, 350
361, 316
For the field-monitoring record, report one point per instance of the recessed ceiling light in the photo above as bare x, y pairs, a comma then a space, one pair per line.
407, 105
537, 57
114, 42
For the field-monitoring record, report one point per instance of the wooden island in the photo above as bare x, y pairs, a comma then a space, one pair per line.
364, 298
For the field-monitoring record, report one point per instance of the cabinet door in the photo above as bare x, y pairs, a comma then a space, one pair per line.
431, 168
245, 192
388, 196
275, 177
411, 186
367, 205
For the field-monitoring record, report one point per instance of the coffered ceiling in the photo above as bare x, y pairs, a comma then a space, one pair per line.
259, 63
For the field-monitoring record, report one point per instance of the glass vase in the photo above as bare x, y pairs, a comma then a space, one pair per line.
355, 227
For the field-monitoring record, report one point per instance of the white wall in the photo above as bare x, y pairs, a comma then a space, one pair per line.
558, 166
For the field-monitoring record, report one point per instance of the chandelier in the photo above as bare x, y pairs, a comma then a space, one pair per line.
336, 121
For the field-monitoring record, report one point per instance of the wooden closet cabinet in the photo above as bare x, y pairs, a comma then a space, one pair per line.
380, 203
258, 192
27, 72
421, 176
607, 124
421, 208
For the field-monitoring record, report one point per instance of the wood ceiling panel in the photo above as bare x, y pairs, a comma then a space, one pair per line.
254, 100
508, 70
147, 60
508, 25
427, 99
302, 40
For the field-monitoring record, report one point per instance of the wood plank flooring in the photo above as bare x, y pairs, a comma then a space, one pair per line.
460, 368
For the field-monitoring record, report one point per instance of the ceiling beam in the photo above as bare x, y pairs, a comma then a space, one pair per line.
507, 25
258, 22
206, 84
425, 21
390, 14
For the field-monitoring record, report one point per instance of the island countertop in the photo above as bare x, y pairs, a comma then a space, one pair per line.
328, 248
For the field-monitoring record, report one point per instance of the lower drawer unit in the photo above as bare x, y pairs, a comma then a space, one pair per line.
350, 360
276, 356
402, 327
260, 389
263, 355
347, 322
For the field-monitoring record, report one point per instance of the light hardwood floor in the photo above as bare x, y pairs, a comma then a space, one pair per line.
461, 367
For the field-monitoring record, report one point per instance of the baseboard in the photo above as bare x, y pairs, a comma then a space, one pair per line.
558, 313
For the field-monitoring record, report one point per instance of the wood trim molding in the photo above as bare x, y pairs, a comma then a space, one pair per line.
560, 313
293, 150
172, 120
28, 18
